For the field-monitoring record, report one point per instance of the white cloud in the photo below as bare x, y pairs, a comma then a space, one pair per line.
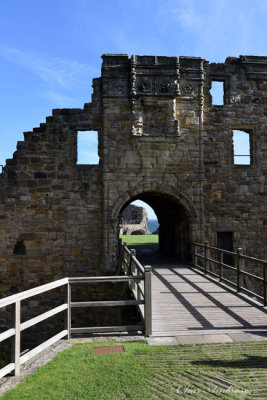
54, 71
57, 98
215, 29
186, 14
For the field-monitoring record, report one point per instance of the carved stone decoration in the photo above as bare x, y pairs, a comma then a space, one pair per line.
168, 86
157, 86
159, 118
187, 89
133, 75
165, 86
175, 120
150, 77
137, 116
145, 86
173, 125
154, 119
137, 119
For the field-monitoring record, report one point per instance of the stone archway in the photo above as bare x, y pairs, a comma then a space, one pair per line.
176, 215
160, 189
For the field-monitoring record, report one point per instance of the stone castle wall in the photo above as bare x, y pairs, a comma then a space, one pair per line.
161, 140
134, 221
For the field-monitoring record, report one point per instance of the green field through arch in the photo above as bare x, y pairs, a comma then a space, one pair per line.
141, 242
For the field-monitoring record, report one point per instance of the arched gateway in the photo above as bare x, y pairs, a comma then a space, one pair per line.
173, 224
176, 215
160, 139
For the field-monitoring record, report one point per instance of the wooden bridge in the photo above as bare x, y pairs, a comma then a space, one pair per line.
173, 299
191, 301
186, 302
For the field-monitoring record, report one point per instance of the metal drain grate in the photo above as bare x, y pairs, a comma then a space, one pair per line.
108, 350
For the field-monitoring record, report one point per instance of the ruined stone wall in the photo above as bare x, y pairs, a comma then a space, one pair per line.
235, 195
134, 221
161, 140
50, 207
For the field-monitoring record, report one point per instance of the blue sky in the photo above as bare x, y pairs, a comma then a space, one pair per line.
50, 50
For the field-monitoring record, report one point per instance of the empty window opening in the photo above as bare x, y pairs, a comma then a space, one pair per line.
19, 249
241, 148
87, 147
225, 242
217, 93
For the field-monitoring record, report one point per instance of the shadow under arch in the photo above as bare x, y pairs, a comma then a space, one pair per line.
175, 213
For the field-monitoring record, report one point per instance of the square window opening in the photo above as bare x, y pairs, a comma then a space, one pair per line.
217, 93
241, 147
87, 148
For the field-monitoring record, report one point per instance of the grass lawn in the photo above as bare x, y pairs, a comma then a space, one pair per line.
141, 242
215, 371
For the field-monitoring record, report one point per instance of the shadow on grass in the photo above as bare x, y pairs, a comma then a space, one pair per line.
250, 362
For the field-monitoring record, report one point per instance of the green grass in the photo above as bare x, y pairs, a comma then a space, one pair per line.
141, 242
216, 371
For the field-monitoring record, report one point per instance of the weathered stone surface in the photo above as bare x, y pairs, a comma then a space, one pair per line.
134, 219
161, 140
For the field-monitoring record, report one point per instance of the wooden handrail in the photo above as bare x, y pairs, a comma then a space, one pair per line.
238, 268
232, 253
130, 266
142, 298
99, 279
15, 332
32, 292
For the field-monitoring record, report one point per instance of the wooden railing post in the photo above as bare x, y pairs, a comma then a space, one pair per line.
239, 268
206, 255
265, 286
123, 252
139, 295
194, 251
148, 300
132, 269
15, 349
68, 311
220, 265
120, 254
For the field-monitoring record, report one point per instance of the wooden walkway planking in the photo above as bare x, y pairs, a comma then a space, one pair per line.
186, 302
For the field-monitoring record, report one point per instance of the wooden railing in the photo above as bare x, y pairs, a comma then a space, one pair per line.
15, 332
210, 260
141, 289
139, 279
105, 303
